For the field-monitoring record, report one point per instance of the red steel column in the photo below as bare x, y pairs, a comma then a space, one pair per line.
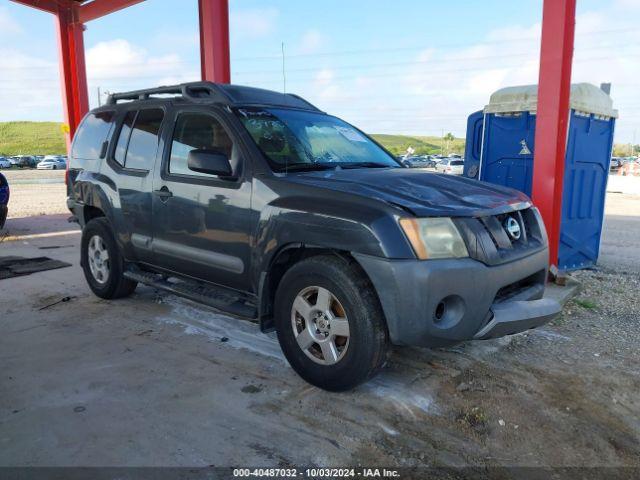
214, 40
554, 85
73, 74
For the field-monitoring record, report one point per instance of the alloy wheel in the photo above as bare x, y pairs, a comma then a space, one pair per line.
98, 257
320, 325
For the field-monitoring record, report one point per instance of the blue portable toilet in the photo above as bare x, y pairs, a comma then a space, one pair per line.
500, 147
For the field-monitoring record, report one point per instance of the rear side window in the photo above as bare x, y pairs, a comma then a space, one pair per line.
138, 141
93, 132
123, 139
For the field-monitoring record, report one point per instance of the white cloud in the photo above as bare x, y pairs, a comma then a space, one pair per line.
118, 65
251, 23
311, 42
29, 87
122, 58
324, 87
8, 26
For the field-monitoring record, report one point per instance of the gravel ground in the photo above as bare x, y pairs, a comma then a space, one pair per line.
36, 192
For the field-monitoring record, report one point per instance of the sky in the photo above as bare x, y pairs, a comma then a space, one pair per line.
404, 66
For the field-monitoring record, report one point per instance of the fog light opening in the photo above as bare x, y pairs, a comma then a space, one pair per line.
439, 313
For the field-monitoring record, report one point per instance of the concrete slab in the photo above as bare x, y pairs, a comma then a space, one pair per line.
155, 380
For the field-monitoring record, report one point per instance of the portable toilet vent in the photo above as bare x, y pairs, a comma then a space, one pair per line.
500, 147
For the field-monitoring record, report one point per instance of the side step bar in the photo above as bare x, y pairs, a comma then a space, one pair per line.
219, 298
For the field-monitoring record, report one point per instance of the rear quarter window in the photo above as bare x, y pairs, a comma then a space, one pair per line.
138, 139
94, 131
143, 143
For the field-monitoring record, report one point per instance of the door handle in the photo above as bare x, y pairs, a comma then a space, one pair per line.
164, 193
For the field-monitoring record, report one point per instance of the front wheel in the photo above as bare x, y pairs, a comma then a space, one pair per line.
330, 324
102, 261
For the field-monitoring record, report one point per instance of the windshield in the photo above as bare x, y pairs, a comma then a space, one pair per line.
456, 162
300, 140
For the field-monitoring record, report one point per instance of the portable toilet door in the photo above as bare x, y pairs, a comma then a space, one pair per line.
473, 144
588, 156
508, 140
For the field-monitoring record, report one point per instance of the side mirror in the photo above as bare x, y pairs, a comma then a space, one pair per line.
212, 162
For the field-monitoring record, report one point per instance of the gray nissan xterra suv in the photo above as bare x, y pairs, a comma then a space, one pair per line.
260, 205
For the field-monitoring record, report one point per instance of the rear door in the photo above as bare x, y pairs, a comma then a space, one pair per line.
202, 223
130, 160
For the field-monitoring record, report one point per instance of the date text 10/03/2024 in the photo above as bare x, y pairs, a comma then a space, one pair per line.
316, 472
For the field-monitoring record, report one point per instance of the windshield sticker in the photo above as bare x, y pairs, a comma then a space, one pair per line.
350, 134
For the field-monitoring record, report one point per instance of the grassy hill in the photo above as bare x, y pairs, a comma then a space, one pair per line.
42, 138
31, 138
45, 138
398, 144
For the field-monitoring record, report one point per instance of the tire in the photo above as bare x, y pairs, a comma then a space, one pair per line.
110, 282
351, 359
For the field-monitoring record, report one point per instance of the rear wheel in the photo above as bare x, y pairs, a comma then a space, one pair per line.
102, 261
330, 324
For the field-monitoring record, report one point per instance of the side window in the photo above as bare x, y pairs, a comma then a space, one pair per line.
198, 131
143, 144
123, 138
138, 141
87, 144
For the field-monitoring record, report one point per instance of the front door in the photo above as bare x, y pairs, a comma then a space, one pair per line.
201, 222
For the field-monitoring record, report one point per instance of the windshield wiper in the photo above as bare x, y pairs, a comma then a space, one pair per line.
308, 166
365, 165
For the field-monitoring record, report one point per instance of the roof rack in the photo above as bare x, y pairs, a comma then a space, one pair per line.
193, 91
221, 93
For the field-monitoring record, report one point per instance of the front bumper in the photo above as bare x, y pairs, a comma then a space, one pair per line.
443, 302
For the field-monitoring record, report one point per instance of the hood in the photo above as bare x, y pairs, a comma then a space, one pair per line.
423, 193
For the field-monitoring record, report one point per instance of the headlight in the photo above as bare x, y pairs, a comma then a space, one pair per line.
433, 238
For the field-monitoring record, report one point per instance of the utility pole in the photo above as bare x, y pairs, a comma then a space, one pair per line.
99, 98
284, 74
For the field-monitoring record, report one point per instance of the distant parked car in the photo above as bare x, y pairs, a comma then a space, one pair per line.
418, 161
616, 163
52, 162
5, 163
24, 161
450, 166
431, 162
4, 199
